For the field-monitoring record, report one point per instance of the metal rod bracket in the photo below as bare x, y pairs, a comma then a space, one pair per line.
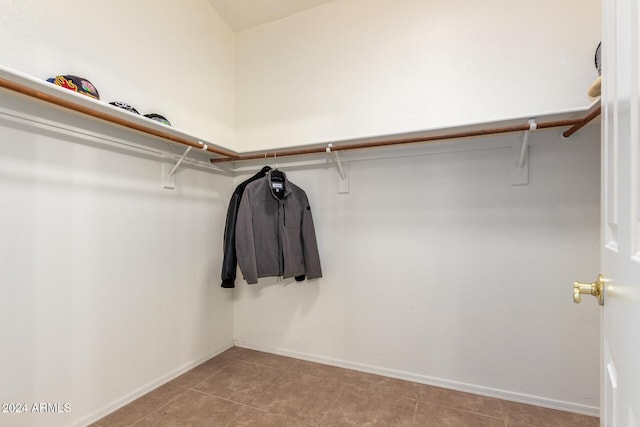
180, 160
525, 143
338, 161
520, 172
343, 170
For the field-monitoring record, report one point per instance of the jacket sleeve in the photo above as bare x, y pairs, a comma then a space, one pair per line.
229, 261
310, 245
245, 247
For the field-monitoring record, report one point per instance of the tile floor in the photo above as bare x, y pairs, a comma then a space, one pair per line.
242, 387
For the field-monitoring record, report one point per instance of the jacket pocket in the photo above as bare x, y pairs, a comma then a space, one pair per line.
292, 218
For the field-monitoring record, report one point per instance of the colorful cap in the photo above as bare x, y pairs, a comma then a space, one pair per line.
76, 84
158, 118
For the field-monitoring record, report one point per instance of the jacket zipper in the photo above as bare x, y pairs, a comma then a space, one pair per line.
280, 251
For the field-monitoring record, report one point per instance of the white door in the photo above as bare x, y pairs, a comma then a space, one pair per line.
620, 252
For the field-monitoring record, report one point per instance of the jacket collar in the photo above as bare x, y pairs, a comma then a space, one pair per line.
287, 186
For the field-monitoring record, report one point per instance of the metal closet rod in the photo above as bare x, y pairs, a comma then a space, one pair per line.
34, 93
575, 125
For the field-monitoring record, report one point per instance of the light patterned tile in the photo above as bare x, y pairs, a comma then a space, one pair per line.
267, 359
428, 415
141, 407
302, 397
320, 370
460, 400
239, 381
359, 407
252, 417
233, 352
378, 383
287, 392
359, 379
193, 409
520, 415
201, 372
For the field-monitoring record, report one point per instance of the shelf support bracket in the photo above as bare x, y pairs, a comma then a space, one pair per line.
525, 143
337, 159
203, 147
173, 171
520, 172
343, 170
169, 179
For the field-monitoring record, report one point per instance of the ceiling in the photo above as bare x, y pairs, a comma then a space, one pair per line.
242, 14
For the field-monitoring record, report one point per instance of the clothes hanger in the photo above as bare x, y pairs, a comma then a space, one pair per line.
265, 169
276, 175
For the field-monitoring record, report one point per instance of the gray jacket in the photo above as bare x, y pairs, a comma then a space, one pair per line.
275, 236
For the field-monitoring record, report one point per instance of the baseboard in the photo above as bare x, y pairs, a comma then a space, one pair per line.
423, 379
148, 387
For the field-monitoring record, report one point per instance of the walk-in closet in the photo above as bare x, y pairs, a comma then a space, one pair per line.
432, 171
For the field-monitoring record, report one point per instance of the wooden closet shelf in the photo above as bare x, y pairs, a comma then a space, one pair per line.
67, 99
574, 125
47, 92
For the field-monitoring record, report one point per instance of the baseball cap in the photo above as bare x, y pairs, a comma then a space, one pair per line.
124, 106
76, 84
158, 118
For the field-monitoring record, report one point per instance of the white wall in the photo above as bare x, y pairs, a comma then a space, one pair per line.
358, 68
159, 56
437, 269
110, 285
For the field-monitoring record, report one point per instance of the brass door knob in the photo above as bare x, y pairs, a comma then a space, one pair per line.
596, 289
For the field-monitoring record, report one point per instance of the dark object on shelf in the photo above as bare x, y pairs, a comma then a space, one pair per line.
158, 118
76, 84
124, 106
